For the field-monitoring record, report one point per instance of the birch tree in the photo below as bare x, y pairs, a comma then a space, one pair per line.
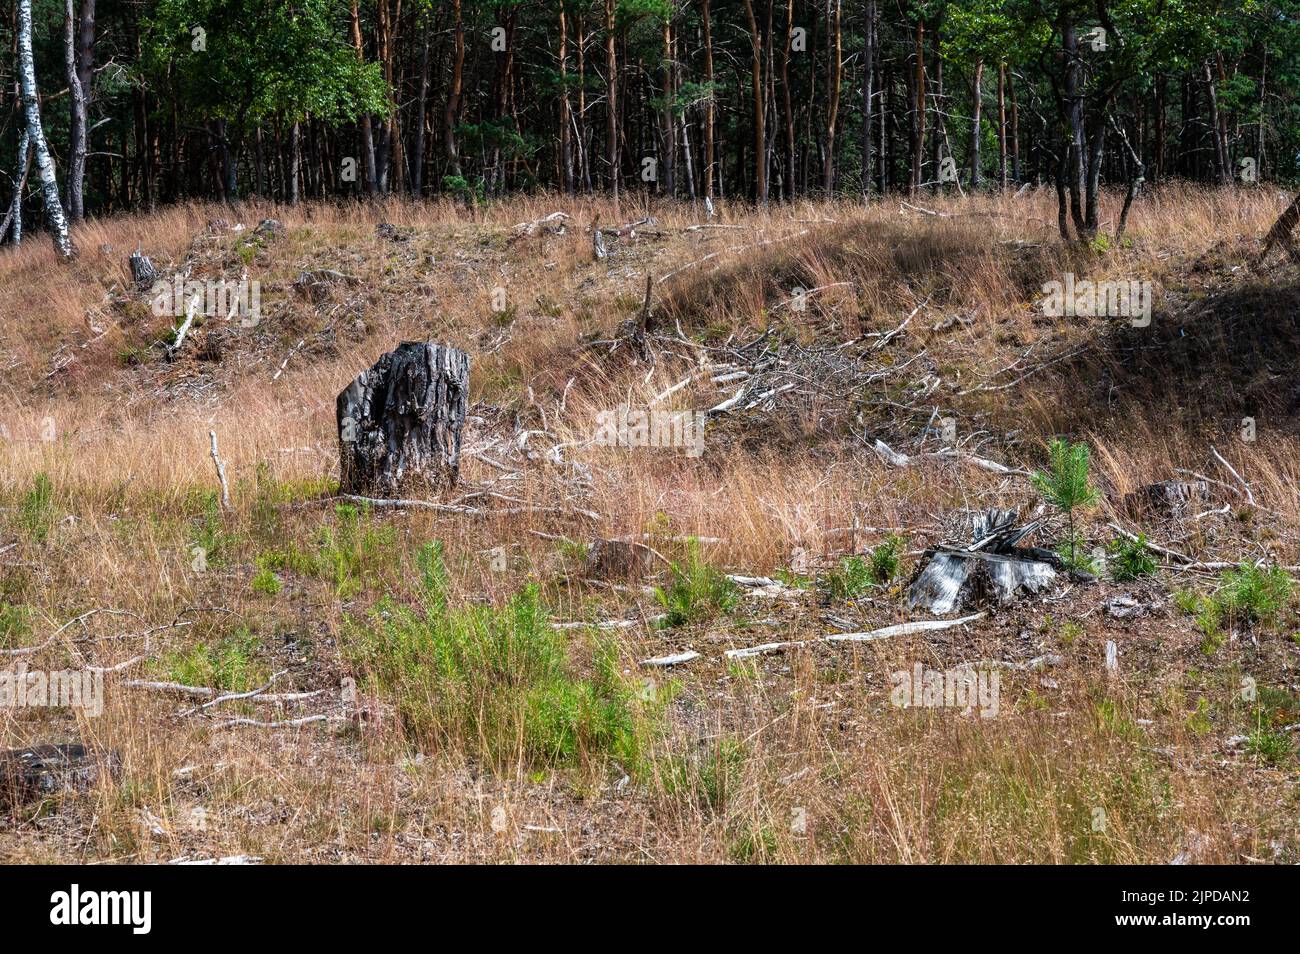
58, 222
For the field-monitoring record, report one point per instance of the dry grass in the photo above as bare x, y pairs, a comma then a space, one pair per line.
795, 757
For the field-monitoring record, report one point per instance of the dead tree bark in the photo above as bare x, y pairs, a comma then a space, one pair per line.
1280, 234
400, 422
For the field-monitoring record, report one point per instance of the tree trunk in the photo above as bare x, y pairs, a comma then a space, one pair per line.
918, 107
709, 105
788, 107
15, 215
400, 422
453, 96
668, 130
977, 97
834, 53
566, 114
58, 222
1002, 126
421, 111
367, 132
868, 94
611, 93
78, 45
1216, 130
760, 137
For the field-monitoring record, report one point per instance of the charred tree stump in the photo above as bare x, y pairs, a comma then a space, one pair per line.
46, 770
400, 422
143, 271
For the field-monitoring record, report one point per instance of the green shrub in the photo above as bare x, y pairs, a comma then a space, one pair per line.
227, 666
1131, 559
351, 549
497, 681
1251, 594
1270, 747
709, 777
851, 578
885, 560
266, 582
36, 514
855, 575
697, 591
15, 624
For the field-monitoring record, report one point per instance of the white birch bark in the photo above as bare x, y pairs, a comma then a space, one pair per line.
15, 214
58, 222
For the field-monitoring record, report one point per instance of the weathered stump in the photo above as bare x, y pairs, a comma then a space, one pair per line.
143, 271
44, 770
400, 422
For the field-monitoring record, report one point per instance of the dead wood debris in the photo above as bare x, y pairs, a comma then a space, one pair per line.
991, 568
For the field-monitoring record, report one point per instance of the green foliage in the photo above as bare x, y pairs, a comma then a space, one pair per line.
709, 778
258, 61
15, 624
266, 582
1269, 746
855, 575
1198, 723
464, 189
1131, 559
1074, 554
851, 578
497, 681
226, 666
36, 514
1066, 484
697, 591
1251, 594
350, 549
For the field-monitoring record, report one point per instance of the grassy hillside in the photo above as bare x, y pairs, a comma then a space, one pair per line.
462, 724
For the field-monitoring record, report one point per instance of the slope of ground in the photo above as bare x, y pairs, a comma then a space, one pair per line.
461, 724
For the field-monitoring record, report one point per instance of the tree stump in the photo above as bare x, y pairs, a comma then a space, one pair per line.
400, 422
143, 271
44, 770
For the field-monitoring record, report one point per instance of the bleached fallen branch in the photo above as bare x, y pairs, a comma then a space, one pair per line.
676, 659
285, 724
230, 696
227, 860
891, 456
610, 623
191, 310
197, 692
1250, 497
1189, 562
400, 503
900, 629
